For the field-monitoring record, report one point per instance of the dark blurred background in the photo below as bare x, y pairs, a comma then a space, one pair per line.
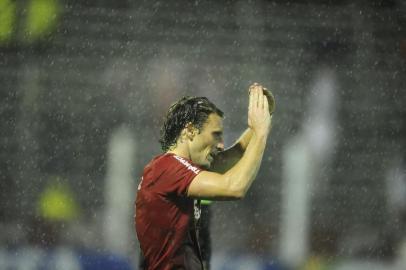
84, 86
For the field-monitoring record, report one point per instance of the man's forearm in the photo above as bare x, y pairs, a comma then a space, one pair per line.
229, 157
244, 140
243, 173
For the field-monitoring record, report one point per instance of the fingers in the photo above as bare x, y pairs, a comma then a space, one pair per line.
261, 98
256, 90
255, 97
253, 86
258, 111
251, 101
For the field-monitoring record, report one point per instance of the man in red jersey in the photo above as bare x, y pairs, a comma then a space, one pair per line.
169, 193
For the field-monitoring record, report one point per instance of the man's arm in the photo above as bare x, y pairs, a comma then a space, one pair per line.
226, 159
235, 182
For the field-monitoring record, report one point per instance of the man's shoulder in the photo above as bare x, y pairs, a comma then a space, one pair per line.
170, 161
187, 164
168, 173
161, 161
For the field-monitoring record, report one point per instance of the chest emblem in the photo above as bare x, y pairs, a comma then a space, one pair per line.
197, 209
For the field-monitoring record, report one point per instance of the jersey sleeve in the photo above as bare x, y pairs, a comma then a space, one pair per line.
179, 173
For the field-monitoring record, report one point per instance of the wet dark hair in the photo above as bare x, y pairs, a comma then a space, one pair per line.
188, 109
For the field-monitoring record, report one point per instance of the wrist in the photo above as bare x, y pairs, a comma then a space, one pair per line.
260, 135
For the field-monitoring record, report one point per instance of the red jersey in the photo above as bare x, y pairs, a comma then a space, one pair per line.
165, 218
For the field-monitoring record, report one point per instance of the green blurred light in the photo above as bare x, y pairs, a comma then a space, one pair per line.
206, 202
57, 202
7, 19
41, 18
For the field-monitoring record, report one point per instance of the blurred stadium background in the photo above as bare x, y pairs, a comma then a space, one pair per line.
84, 86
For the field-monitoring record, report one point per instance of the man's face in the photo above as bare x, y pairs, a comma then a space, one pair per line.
206, 144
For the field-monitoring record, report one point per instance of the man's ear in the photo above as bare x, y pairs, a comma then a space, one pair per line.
190, 130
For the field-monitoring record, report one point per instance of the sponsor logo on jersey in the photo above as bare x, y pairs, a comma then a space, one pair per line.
197, 209
187, 164
139, 185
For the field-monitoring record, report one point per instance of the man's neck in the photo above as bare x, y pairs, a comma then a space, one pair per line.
181, 151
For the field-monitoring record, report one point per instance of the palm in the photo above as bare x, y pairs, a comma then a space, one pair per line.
259, 117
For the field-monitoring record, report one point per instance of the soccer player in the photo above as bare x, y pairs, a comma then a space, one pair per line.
195, 166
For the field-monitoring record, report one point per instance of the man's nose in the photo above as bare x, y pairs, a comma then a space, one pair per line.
220, 146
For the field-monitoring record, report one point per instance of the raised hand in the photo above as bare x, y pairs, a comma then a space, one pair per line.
259, 118
269, 96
